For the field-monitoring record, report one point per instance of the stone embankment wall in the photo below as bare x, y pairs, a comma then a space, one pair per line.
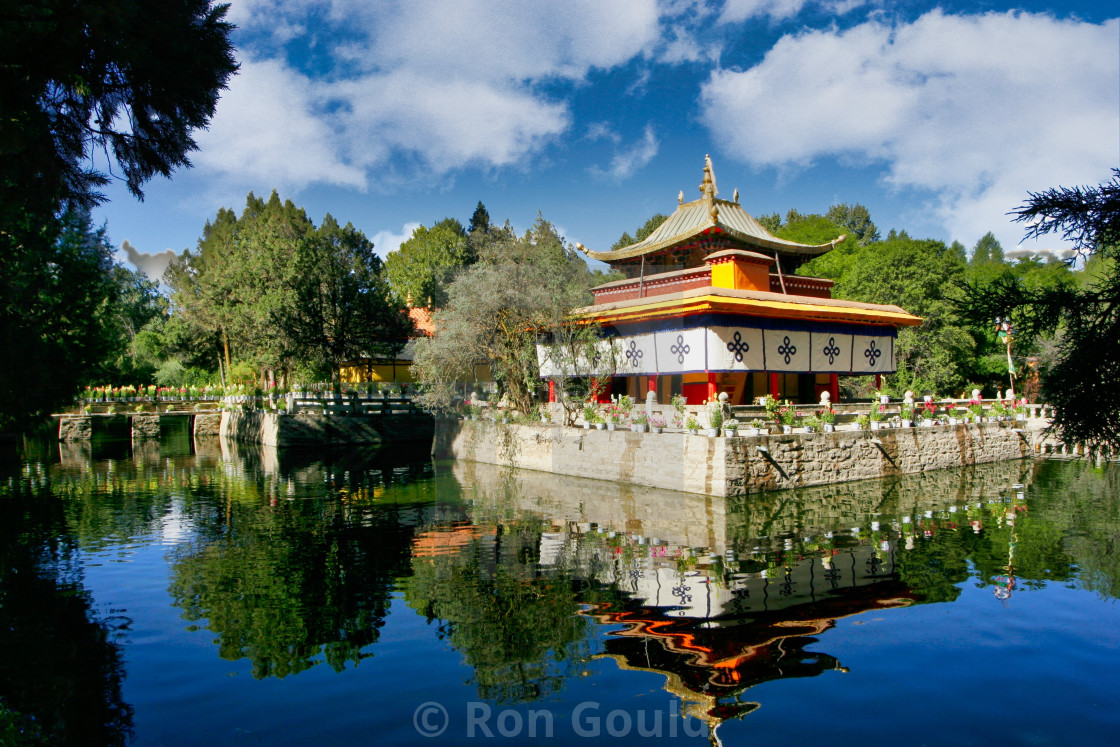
733, 466
314, 429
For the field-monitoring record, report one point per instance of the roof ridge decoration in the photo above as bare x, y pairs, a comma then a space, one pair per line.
708, 190
709, 214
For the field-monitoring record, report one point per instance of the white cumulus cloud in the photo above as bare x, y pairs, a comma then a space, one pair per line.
389, 241
397, 89
630, 159
977, 110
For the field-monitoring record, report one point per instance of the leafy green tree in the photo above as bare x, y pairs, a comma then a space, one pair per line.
238, 288
856, 219
343, 311
57, 318
520, 288
643, 231
1080, 385
987, 250
128, 81
139, 318
429, 259
915, 274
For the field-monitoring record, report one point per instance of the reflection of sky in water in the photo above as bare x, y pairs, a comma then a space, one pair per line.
861, 603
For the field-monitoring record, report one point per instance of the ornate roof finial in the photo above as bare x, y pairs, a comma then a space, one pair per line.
735, 197
708, 186
680, 197
408, 299
708, 189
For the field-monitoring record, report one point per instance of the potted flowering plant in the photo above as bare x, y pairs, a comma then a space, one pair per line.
927, 413
679, 415
639, 421
1021, 409
876, 416
828, 420
692, 425
657, 423
715, 418
788, 418
731, 426
906, 415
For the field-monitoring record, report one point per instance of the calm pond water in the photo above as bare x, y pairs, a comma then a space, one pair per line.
181, 595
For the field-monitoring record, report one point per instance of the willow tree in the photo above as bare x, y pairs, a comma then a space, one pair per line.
521, 288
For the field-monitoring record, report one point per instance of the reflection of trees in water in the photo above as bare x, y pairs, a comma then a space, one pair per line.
61, 664
284, 585
514, 624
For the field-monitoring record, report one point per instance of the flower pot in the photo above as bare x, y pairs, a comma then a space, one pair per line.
829, 427
600, 426
693, 431
658, 430
926, 422
752, 432
787, 429
876, 424
711, 432
884, 399
587, 426
731, 432
611, 426
639, 427
906, 423
953, 421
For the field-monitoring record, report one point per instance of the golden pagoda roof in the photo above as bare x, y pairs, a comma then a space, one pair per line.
710, 215
749, 303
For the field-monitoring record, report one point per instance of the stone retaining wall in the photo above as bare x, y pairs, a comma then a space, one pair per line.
732, 466
311, 429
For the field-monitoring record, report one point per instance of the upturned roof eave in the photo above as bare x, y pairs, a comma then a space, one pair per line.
647, 247
754, 303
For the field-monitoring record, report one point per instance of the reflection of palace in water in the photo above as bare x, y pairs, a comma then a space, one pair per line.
722, 595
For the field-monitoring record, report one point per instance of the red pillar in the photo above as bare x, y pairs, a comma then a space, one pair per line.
834, 388
774, 386
711, 386
879, 382
652, 384
551, 391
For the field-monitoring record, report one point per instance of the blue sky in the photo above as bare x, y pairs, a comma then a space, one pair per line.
391, 113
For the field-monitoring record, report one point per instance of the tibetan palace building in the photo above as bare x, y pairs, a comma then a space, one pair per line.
710, 304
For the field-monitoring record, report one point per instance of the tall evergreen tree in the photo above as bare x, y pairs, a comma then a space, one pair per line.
480, 220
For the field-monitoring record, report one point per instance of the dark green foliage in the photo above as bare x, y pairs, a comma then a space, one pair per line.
480, 220
987, 249
1081, 382
272, 290
341, 308
427, 262
856, 219
57, 317
128, 81
643, 231
83, 76
520, 287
